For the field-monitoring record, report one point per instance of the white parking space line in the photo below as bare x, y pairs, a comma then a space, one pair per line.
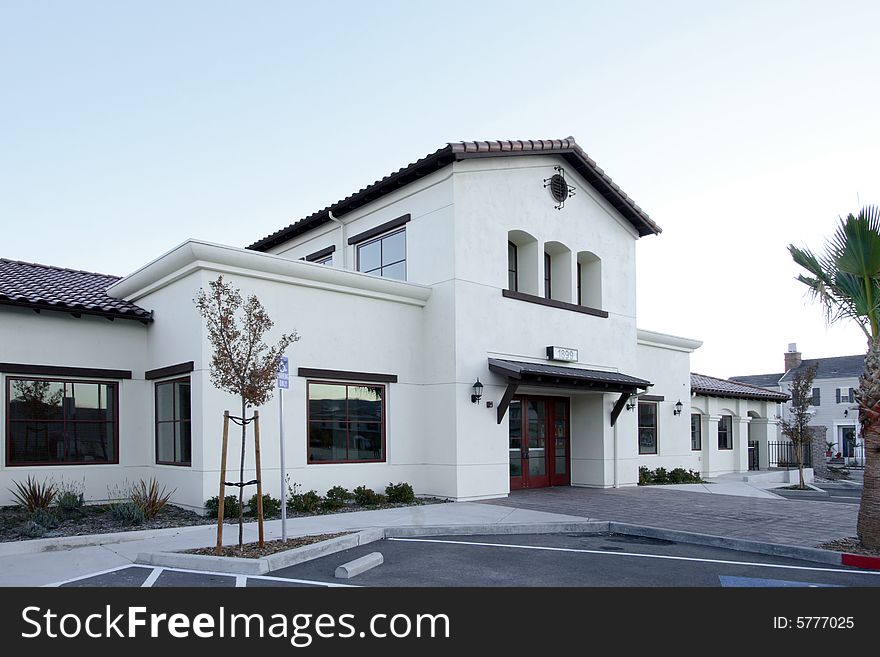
90, 575
151, 578
330, 585
240, 580
637, 555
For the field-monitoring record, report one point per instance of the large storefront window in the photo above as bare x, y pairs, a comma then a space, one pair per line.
173, 422
647, 428
346, 422
52, 422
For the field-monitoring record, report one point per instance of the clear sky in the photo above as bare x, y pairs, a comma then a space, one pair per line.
127, 127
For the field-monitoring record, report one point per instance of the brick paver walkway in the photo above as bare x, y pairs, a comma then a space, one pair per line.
792, 522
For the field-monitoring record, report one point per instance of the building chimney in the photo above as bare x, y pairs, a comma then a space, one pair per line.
792, 357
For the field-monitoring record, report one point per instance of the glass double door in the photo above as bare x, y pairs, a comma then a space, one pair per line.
539, 442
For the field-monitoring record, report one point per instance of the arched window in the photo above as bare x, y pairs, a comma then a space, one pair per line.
557, 272
589, 280
522, 262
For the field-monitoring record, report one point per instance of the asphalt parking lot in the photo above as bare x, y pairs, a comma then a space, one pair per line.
520, 560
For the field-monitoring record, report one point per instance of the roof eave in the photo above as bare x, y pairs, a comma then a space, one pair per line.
568, 149
38, 306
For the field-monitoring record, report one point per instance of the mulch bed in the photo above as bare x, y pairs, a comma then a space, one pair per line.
851, 544
254, 551
96, 519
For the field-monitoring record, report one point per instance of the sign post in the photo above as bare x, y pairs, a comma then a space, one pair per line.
283, 382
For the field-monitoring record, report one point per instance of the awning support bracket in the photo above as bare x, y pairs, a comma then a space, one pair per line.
506, 399
618, 406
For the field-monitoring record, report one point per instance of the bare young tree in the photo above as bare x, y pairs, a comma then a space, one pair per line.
797, 426
241, 363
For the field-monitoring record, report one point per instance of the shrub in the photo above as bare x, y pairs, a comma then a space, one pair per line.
271, 505
661, 476
44, 518
127, 513
31, 529
307, 502
33, 495
339, 493
402, 493
364, 496
70, 500
230, 506
149, 498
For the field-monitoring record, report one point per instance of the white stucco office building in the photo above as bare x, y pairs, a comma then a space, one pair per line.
471, 263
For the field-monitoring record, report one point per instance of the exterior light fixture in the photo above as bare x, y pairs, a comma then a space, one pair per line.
478, 392
631, 403
845, 412
678, 407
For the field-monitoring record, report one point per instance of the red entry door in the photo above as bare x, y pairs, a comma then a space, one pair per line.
539, 442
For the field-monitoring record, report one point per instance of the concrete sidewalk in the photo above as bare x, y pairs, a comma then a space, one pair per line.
22, 565
774, 520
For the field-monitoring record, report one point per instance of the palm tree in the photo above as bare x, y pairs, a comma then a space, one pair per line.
846, 282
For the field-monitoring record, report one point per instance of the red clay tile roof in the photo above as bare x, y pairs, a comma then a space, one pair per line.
712, 387
567, 148
43, 287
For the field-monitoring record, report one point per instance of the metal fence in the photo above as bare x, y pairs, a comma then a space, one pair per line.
782, 455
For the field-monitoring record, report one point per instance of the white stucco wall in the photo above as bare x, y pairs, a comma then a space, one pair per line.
59, 339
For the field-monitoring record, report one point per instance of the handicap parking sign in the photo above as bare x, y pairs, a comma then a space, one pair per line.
283, 372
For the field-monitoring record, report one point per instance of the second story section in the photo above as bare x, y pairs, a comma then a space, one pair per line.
537, 220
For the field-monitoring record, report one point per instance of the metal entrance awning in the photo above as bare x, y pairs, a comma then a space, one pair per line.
519, 373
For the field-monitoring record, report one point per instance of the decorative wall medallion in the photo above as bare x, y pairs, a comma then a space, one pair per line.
560, 190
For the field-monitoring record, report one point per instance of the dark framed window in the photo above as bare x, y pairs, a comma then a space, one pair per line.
817, 397
384, 256
512, 272
326, 260
173, 422
845, 395
696, 431
647, 427
548, 279
346, 422
61, 422
725, 432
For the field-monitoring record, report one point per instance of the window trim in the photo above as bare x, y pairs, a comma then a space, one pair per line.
381, 229
515, 270
156, 384
548, 276
318, 257
656, 428
699, 448
379, 238
384, 422
729, 434
54, 464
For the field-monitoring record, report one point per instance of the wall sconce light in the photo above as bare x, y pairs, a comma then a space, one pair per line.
631, 402
478, 392
845, 412
678, 407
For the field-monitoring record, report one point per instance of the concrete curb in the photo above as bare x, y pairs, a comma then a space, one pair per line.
742, 545
817, 555
59, 543
261, 566
471, 530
